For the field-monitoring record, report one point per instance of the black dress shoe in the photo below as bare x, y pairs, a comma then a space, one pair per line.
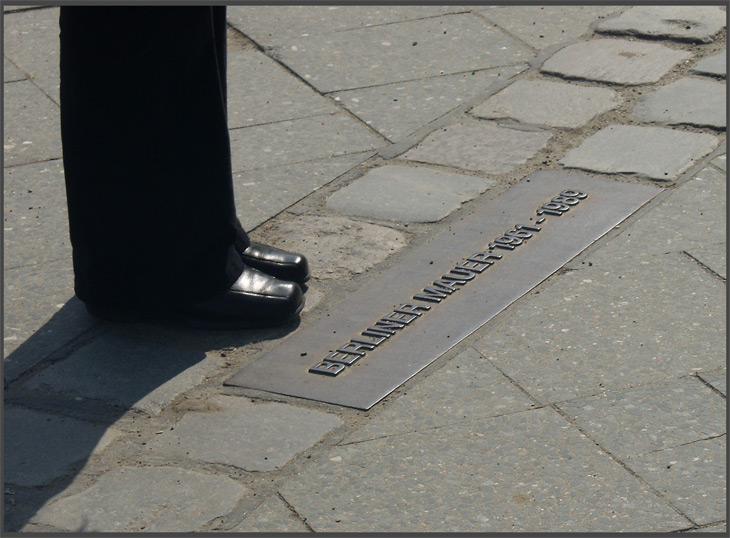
256, 300
276, 262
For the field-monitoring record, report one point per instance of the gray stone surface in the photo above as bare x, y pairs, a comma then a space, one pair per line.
715, 65
235, 431
337, 247
696, 24
714, 257
721, 162
40, 447
614, 60
407, 194
482, 146
150, 499
678, 103
651, 152
399, 52
11, 73
525, 472
135, 366
613, 325
299, 140
468, 387
717, 379
721, 527
261, 194
271, 516
261, 91
651, 417
397, 110
560, 105
543, 26
32, 125
691, 477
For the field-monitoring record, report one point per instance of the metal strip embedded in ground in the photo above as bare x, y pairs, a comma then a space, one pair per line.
410, 315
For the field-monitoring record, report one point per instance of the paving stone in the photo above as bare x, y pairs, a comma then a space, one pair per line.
483, 147
612, 325
692, 477
722, 527
407, 194
717, 379
715, 65
397, 110
721, 162
263, 23
524, 472
40, 447
264, 193
561, 105
543, 26
714, 257
31, 41
468, 387
32, 125
11, 73
650, 417
271, 516
35, 218
614, 60
261, 91
651, 152
132, 366
150, 499
299, 140
400, 52
677, 104
696, 24
254, 437
337, 247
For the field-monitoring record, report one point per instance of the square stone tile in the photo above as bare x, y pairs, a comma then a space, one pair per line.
407, 194
715, 65
561, 105
482, 146
651, 152
614, 60
235, 431
651, 417
525, 472
692, 477
271, 516
400, 52
677, 104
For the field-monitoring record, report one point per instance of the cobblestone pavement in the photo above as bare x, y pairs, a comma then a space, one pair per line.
596, 402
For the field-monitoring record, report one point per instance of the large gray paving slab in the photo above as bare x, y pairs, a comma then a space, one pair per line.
481, 146
721, 162
40, 447
261, 91
468, 387
715, 65
255, 437
613, 325
614, 60
397, 110
32, 125
132, 366
150, 499
524, 472
400, 51
11, 73
652, 152
651, 417
696, 24
300, 140
717, 379
678, 104
271, 516
407, 194
692, 477
35, 217
544, 26
266, 192
720, 527
31, 41
714, 257
561, 105
274, 24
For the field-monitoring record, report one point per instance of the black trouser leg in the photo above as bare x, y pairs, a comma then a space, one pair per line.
147, 155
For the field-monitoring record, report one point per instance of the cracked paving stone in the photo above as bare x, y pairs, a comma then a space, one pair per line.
271, 516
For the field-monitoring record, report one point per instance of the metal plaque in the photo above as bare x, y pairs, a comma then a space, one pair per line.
407, 317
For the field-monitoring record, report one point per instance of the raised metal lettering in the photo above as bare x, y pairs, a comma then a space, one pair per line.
327, 368
431, 295
344, 357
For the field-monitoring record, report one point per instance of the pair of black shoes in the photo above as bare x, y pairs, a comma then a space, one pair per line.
268, 293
